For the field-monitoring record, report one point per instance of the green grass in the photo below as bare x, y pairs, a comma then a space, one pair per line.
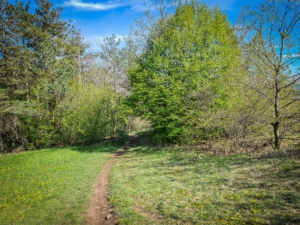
49, 186
174, 186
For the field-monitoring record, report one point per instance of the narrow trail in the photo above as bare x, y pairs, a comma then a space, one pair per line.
100, 212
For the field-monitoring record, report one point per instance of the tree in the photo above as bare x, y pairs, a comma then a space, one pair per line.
49, 23
53, 91
102, 86
112, 65
14, 74
179, 75
37, 66
270, 42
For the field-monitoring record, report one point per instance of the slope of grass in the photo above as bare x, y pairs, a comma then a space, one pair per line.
49, 186
167, 186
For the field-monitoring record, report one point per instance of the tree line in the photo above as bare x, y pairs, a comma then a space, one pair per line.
191, 74
201, 78
52, 92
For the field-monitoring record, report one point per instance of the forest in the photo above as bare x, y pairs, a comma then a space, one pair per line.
188, 77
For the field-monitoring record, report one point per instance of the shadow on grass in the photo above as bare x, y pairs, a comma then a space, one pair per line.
279, 161
109, 146
175, 155
96, 148
266, 181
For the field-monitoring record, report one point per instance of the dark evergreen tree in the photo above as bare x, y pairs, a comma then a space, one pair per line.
37, 66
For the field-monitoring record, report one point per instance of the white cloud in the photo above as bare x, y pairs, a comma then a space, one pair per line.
135, 5
289, 56
94, 6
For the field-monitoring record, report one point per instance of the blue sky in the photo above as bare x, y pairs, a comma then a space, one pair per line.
100, 18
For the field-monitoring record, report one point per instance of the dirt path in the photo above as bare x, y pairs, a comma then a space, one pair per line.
99, 212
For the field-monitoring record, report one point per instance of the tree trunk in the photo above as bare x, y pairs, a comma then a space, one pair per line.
1, 144
276, 135
277, 113
129, 124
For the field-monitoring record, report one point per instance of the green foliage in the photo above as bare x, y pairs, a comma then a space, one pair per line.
269, 38
15, 79
188, 79
38, 66
53, 92
50, 88
99, 114
180, 75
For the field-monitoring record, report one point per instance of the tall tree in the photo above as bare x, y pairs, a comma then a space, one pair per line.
48, 21
111, 64
14, 74
270, 42
182, 66
37, 65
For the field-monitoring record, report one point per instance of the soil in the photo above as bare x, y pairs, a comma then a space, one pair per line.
100, 212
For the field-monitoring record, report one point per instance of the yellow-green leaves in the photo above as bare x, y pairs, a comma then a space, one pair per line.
184, 62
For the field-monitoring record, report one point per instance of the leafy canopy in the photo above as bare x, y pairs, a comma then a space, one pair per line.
183, 61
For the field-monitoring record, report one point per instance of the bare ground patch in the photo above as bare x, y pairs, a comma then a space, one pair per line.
100, 212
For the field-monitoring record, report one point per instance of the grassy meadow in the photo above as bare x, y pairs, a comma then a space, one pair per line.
175, 186
152, 185
50, 186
